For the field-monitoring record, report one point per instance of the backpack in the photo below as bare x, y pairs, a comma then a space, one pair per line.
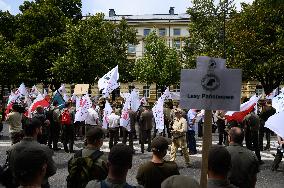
66, 118
84, 169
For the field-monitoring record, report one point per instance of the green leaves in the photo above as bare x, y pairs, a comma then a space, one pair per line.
160, 64
94, 47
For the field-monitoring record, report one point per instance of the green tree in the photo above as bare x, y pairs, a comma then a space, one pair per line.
8, 24
41, 27
95, 46
160, 64
256, 35
11, 63
208, 21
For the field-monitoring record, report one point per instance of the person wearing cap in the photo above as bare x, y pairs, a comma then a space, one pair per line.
146, 126
94, 142
179, 136
32, 130
14, 120
154, 172
119, 162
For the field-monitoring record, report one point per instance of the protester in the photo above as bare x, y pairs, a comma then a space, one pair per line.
219, 164
146, 126
279, 154
267, 111
154, 172
39, 114
119, 162
130, 133
68, 131
167, 120
88, 163
32, 130
221, 126
179, 181
245, 165
31, 167
251, 123
191, 142
179, 136
92, 118
53, 115
14, 120
113, 128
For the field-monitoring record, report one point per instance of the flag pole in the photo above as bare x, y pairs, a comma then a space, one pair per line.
206, 143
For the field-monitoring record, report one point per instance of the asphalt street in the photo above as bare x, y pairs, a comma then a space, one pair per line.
266, 178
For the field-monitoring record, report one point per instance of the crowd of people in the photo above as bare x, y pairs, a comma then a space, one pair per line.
230, 164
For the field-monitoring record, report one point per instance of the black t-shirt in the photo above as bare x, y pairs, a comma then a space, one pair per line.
151, 174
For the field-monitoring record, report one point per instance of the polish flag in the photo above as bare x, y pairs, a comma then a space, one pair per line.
245, 109
39, 101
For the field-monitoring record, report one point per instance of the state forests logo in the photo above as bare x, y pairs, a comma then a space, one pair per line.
210, 82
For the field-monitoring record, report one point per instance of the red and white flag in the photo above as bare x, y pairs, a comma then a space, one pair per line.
245, 109
39, 101
82, 106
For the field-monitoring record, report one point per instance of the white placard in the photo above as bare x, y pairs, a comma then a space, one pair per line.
211, 86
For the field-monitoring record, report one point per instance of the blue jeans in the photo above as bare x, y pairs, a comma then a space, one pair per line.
191, 142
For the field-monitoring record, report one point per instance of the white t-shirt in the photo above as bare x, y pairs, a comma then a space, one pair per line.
92, 117
113, 120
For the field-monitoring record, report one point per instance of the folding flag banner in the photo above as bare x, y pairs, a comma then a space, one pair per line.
82, 106
245, 109
39, 101
275, 123
107, 112
135, 101
278, 103
124, 120
158, 110
58, 97
108, 82
66, 97
34, 92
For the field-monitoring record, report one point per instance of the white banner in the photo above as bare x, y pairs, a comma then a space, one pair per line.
278, 103
107, 112
275, 123
82, 106
108, 82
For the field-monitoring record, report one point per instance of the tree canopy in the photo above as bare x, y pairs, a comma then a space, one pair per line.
253, 37
160, 63
95, 46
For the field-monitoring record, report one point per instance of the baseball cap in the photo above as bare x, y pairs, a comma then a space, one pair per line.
160, 143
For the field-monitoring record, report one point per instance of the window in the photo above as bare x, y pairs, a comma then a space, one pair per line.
146, 91
147, 32
177, 44
177, 32
159, 92
131, 49
176, 88
162, 32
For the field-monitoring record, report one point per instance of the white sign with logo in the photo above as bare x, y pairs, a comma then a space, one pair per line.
211, 86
